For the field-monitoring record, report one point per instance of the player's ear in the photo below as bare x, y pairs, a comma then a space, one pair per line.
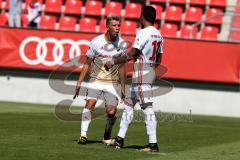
107, 27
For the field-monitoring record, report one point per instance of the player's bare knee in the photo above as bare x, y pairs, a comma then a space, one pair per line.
111, 113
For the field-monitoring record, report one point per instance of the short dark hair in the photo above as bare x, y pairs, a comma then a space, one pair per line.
112, 17
149, 13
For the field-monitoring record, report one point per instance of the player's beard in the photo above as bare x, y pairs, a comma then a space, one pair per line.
114, 37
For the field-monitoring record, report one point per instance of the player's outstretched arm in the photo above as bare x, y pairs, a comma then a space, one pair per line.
123, 59
82, 76
122, 78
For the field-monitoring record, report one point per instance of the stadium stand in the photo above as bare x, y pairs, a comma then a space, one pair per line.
159, 10
87, 24
216, 16
181, 3
188, 32
235, 35
102, 26
209, 33
173, 13
73, 7
169, 30
67, 23
113, 8
3, 19
53, 6
6, 5
128, 27
24, 20
193, 15
47, 22
93, 8
133, 10
198, 3
218, 3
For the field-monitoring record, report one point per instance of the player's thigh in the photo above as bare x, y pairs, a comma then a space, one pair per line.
143, 93
110, 99
94, 91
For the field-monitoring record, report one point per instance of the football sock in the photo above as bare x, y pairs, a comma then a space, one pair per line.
151, 124
126, 120
86, 119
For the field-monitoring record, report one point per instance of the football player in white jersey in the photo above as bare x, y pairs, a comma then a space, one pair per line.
103, 84
146, 51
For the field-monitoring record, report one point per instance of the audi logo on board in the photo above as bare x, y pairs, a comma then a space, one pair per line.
58, 51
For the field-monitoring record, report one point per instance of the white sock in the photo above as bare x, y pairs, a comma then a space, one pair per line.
151, 124
126, 119
86, 119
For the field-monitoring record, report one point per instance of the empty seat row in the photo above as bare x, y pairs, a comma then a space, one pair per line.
187, 31
213, 3
127, 27
194, 14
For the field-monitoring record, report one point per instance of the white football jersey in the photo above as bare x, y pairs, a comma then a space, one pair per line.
102, 51
150, 43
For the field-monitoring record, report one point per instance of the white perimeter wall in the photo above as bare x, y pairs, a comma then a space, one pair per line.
179, 100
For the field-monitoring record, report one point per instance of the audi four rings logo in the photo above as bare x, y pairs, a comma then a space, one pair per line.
57, 51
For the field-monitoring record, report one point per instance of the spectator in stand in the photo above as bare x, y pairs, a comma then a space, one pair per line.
15, 10
34, 12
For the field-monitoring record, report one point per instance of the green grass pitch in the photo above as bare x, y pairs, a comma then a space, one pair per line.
33, 132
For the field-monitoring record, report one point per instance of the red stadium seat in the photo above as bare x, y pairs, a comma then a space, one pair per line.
237, 8
157, 1
173, 13
93, 8
198, 2
128, 27
3, 19
216, 13
169, 30
188, 32
218, 3
236, 22
24, 20
181, 2
53, 6
193, 14
209, 33
47, 22
158, 11
113, 8
67, 23
102, 26
133, 10
73, 7
6, 5
88, 24
235, 36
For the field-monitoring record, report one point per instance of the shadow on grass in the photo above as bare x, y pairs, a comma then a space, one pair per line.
89, 141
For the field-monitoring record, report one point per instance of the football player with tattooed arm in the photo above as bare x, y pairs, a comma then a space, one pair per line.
146, 52
103, 83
